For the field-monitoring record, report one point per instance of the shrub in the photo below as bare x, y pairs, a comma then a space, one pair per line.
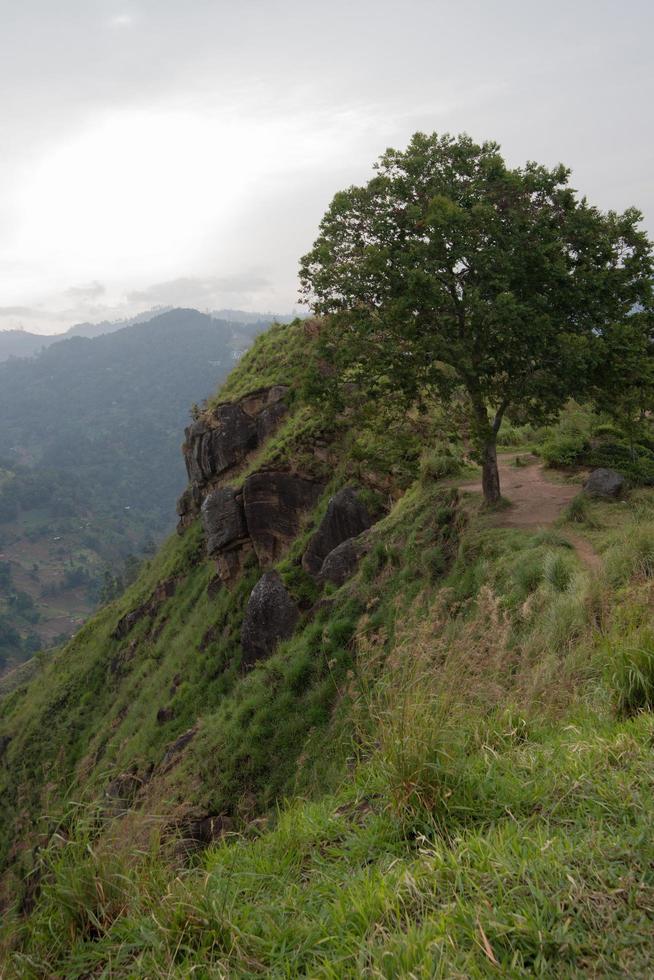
563, 449
439, 463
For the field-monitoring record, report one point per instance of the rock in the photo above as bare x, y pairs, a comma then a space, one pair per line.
257, 401
270, 616
5, 741
234, 429
176, 747
223, 520
234, 436
604, 483
195, 450
274, 505
342, 562
346, 517
164, 715
196, 833
164, 590
229, 564
188, 506
129, 621
119, 794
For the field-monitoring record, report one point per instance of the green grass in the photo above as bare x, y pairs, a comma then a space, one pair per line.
543, 869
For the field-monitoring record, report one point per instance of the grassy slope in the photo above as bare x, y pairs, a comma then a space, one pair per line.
459, 729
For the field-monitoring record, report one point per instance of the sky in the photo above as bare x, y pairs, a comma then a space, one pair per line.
159, 152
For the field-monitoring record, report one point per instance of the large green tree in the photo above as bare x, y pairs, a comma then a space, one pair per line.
450, 271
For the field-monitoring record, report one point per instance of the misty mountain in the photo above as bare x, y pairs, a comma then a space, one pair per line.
90, 464
23, 343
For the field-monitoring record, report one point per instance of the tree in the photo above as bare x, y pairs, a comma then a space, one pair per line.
451, 271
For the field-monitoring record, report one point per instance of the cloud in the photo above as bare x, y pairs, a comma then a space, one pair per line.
91, 291
189, 291
26, 311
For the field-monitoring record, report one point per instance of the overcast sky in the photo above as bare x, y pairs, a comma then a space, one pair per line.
162, 152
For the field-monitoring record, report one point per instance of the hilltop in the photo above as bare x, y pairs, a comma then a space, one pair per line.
347, 721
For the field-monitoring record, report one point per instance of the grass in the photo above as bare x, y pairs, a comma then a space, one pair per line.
544, 870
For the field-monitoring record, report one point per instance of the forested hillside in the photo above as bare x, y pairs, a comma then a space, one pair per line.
90, 465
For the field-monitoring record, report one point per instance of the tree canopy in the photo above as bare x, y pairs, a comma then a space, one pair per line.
450, 270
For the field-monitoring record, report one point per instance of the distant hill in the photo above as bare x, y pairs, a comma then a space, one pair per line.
23, 343
90, 466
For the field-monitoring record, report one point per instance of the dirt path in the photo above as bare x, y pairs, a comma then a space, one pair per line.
536, 502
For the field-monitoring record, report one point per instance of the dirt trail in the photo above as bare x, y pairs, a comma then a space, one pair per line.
536, 502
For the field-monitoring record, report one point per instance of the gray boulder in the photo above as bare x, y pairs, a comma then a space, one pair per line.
271, 616
604, 483
223, 520
346, 517
342, 562
274, 505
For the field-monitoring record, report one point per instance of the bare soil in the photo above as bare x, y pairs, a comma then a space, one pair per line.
536, 501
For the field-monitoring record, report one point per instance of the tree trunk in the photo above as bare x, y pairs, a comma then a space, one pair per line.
486, 435
490, 477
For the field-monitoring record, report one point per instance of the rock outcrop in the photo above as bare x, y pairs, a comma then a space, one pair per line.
346, 517
270, 616
342, 562
223, 520
220, 442
604, 483
164, 590
274, 506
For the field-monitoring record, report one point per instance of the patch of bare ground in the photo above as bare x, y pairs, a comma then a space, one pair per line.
536, 501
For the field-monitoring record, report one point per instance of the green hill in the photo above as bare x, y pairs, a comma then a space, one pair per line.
377, 731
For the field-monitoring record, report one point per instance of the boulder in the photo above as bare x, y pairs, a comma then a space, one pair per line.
194, 833
270, 616
274, 505
165, 715
223, 520
342, 562
604, 483
174, 749
120, 792
346, 517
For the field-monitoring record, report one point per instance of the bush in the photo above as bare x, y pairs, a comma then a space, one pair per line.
563, 449
439, 463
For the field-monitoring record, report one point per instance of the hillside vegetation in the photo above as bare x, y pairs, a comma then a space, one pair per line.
443, 770
90, 465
